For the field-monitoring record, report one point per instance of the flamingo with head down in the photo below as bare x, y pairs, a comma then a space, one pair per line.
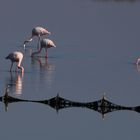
16, 57
37, 31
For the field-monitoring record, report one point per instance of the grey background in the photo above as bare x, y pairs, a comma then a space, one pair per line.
97, 46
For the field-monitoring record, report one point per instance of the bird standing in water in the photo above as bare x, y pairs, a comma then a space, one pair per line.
37, 31
16, 57
46, 44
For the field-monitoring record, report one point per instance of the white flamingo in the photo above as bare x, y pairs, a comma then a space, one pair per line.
46, 44
16, 57
37, 31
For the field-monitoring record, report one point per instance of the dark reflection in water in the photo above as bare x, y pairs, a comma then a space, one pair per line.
14, 82
102, 106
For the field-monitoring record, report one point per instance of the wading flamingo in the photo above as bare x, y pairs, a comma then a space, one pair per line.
16, 57
37, 31
46, 44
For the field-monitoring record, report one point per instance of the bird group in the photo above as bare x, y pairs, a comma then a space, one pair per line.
45, 43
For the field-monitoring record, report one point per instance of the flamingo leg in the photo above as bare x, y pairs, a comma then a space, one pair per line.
11, 66
46, 53
38, 45
16, 68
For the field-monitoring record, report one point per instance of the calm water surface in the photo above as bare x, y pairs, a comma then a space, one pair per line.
97, 44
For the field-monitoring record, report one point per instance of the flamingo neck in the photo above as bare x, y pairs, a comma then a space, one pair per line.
21, 68
19, 65
27, 41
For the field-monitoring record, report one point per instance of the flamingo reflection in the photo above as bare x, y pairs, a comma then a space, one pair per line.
15, 83
46, 69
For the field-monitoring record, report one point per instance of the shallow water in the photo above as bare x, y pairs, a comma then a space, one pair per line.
97, 46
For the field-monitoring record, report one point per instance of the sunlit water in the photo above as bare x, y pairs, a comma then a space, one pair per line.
97, 46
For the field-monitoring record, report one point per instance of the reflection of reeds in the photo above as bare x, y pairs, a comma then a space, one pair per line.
102, 106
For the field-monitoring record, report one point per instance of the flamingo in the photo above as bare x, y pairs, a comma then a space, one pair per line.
16, 57
45, 43
37, 31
